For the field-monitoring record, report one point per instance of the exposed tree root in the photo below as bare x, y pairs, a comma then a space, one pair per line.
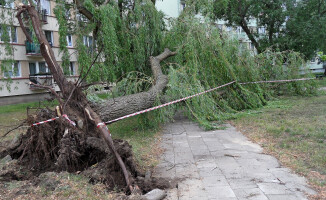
58, 146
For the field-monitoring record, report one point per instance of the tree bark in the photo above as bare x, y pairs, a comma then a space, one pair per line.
244, 26
118, 107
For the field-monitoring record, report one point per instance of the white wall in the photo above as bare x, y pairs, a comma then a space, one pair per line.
21, 87
170, 7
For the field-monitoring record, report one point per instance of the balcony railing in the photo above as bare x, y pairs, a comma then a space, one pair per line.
45, 79
43, 15
32, 48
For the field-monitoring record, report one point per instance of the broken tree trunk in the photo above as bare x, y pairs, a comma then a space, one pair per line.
118, 107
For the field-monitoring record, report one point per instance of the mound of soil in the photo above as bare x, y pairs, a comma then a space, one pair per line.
58, 146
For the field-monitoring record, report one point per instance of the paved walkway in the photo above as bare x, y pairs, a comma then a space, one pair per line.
223, 164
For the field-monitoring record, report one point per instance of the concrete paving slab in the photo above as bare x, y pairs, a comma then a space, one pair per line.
224, 165
250, 194
212, 181
286, 197
273, 188
219, 192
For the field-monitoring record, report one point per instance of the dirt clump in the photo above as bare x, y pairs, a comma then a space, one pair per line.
58, 146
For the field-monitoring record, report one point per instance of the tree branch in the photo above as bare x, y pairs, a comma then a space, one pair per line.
117, 107
16, 127
83, 10
80, 81
20, 11
50, 89
77, 84
91, 84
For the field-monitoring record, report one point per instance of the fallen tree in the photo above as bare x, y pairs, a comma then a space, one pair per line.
205, 59
62, 146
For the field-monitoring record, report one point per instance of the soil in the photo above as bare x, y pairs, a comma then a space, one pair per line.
58, 146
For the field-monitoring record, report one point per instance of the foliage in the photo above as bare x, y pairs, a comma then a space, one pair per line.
60, 13
6, 51
128, 36
290, 25
269, 14
306, 28
322, 56
205, 59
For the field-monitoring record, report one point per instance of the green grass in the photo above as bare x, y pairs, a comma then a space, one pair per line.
22, 107
13, 115
141, 133
294, 130
322, 82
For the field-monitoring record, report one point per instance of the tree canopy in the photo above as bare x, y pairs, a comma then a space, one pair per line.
290, 25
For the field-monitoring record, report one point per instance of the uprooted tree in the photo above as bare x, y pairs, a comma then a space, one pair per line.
125, 35
62, 146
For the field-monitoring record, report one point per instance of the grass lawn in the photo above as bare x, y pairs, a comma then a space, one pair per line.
294, 130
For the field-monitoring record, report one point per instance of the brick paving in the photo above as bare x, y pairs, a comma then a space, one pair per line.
225, 165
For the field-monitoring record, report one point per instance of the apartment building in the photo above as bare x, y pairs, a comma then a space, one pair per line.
29, 64
173, 8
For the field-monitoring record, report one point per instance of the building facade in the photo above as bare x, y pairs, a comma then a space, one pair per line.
29, 65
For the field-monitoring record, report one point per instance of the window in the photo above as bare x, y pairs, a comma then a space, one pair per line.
12, 70
13, 31
45, 5
81, 18
9, 35
67, 13
38, 68
32, 68
252, 46
69, 40
49, 37
183, 4
239, 30
88, 41
72, 70
261, 30
30, 33
43, 69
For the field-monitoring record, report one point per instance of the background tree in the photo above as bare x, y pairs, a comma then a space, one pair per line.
305, 28
268, 14
290, 25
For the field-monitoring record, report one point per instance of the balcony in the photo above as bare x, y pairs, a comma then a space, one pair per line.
32, 49
44, 79
43, 15
242, 36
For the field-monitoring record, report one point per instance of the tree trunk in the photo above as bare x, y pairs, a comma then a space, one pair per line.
118, 107
244, 26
